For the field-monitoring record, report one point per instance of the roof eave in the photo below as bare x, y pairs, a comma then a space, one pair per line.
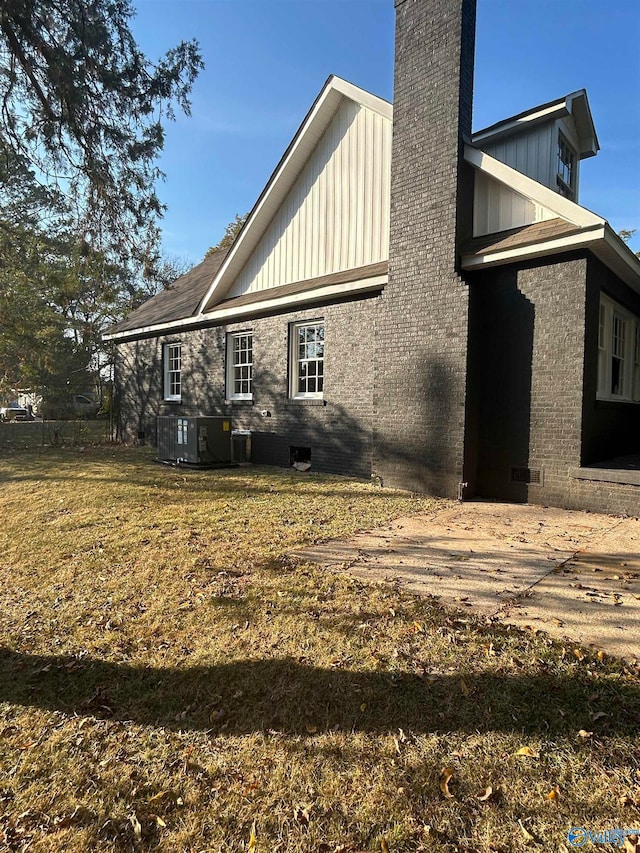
221, 314
602, 241
575, 104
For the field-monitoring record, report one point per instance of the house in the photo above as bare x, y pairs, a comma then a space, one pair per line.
413, 301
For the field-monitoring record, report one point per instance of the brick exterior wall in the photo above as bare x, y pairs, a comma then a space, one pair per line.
337, 429
533, 371
421, 329
527, 363
616, 498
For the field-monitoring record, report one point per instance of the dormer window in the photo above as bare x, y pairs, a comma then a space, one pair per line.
566, 177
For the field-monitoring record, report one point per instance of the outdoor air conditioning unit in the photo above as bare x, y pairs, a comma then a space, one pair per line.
195, 441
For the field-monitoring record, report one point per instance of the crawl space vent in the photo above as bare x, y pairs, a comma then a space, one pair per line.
531, 476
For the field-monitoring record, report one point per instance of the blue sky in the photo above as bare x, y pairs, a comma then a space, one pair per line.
266, 60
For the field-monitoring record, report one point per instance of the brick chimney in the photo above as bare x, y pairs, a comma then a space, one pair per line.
421, 360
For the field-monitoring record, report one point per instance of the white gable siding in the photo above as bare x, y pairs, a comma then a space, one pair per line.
336, 215
498, 208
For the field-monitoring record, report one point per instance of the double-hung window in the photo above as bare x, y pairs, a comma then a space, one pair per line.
239, 366
566, 170
307, 359
173, 372
618, 352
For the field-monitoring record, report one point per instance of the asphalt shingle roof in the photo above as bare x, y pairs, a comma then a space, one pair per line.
177, 302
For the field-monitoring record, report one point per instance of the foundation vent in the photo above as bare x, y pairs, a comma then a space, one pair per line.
531, 476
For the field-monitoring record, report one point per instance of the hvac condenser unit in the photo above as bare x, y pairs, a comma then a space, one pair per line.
195, 441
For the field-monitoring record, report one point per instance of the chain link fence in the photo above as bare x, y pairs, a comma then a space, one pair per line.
55, 433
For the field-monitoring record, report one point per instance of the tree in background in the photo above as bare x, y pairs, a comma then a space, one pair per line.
84, 107
230, 233
80, 131
627, 234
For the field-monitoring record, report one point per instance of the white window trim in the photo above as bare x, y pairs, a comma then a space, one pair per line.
630, 355
294, 393
173, 398
230, 377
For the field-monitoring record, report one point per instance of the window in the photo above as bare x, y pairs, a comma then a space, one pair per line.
566, 178
240, 366
618, 352
307, 359
172, 372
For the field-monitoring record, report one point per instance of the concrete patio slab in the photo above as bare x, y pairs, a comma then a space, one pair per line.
573, 574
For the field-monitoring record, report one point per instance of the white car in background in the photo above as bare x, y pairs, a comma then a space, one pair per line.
15, 413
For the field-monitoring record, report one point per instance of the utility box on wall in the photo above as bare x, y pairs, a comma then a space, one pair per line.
195, 441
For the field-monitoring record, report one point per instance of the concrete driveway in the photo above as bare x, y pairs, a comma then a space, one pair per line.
573, 574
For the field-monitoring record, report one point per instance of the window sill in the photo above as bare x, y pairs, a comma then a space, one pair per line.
230, 401
306, 401
611, 403
172, 402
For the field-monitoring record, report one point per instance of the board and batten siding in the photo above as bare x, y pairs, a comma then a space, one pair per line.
529, 152
498, 208
336, 215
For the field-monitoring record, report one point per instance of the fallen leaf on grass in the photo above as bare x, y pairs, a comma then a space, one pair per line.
527, 835
252, 837
579, 654
553, 794
383, 845
527, 752
488, 793
598, 715
163, 796
584, 733
137, 828
302, 813
445, 778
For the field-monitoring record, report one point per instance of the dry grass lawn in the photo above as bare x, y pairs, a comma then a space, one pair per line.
170, 680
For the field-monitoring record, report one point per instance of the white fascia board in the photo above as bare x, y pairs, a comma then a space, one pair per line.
362, 97
555, 110
581, 240
630, 261
576, 104
527, 187
285, 174
319, 294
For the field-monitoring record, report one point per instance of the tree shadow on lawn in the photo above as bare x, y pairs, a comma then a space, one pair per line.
247, 696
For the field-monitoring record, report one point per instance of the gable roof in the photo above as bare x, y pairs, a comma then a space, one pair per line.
180, 300
284, 176
576, 105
